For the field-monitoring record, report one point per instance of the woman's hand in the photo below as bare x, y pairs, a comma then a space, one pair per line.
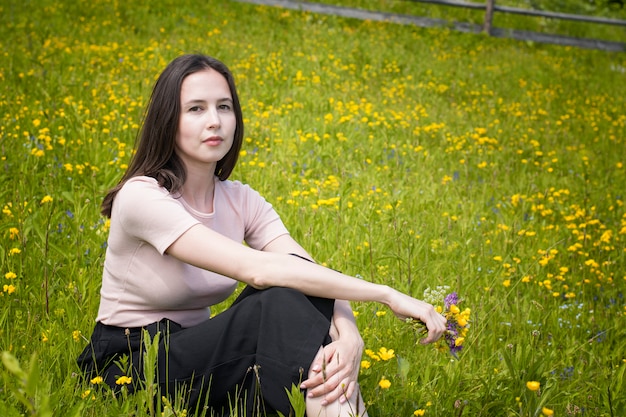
335, 370
405, 307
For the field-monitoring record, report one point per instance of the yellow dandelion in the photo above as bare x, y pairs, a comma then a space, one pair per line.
533, 385
123, 380
372, 355
46, 199
386, 354
365, 364
419, 412
384, 383
96, 380
547, 412
10, 275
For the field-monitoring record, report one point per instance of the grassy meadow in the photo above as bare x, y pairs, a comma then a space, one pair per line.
419, 158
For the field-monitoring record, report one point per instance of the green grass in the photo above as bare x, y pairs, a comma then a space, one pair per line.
407, 156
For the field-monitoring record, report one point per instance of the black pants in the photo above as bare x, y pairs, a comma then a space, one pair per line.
249, 354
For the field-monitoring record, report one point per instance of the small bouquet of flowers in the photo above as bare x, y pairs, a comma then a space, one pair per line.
458, 321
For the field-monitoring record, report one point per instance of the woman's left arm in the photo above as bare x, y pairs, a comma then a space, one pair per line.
335, 370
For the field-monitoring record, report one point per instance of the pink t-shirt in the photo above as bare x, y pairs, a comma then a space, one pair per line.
141, 284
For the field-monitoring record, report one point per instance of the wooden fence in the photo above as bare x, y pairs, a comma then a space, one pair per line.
463, 26
490, 8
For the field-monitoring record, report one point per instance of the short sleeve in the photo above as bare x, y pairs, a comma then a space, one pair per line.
150, 213
264, 224
261, 223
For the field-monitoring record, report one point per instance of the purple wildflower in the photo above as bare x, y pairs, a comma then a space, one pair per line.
451, 299
453, 332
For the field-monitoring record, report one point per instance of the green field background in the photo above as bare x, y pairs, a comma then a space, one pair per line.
407, 156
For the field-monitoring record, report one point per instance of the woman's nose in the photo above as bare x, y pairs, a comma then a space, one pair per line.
213, 119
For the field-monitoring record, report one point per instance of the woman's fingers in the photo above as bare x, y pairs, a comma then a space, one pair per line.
333, 380
436, 324
405, 306
334, 388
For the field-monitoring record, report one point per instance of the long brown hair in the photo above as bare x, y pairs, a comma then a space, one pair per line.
155, 154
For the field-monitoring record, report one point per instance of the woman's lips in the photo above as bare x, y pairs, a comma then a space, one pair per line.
213, 140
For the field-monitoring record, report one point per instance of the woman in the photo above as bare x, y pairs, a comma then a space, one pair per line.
175, 248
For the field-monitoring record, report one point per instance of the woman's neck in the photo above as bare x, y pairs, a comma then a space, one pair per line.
198, 192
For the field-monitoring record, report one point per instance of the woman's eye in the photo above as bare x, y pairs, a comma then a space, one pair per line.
224, 107
195, 108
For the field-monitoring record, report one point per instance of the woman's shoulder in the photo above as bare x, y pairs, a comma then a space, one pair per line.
141, 182
240, 193
235, 186
141, 189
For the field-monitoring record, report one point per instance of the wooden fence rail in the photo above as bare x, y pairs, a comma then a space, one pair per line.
491, 7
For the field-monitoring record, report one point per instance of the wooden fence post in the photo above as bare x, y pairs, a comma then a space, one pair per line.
488, 16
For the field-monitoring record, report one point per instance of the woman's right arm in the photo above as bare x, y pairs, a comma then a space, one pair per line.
207, 249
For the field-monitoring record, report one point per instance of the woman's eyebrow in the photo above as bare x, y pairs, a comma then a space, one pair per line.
194, 101
202, 101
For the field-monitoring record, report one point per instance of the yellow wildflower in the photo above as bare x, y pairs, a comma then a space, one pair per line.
419, 412
384, 383
533, 385
547, 412
97, 380
46, 199
372, 355
124, 380
385, 354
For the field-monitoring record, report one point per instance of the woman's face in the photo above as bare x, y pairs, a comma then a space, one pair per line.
207, 123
